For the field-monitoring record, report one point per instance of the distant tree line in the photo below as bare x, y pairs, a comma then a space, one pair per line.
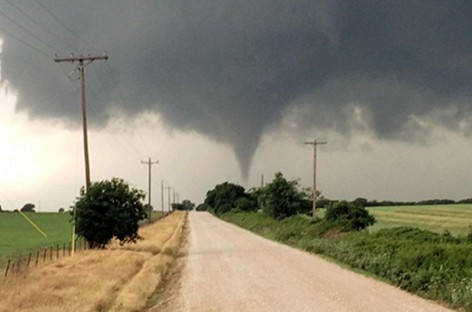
185, 205
281, 199
360, 201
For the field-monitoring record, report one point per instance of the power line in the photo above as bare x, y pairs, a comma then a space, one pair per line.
129, 141
9, 201
37, 22
113, 75
28, 31
47, 44
26, 44
124, 96
64, 25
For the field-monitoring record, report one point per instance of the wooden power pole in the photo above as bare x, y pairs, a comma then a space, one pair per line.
315, 143
82, 62
168, 196
149, 163
162, 196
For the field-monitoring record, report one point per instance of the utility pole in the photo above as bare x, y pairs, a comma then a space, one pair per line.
162, 196
149, 163
315, 143
82, 62
168, 196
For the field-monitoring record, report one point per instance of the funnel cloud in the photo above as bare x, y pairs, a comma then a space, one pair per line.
232, 69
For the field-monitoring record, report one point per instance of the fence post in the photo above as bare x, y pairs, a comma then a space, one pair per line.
8, 267
57, 251
29, 260
64, 249
37, 258
44, 255
50, 253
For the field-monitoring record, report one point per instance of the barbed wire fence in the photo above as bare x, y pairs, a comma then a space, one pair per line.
19, 263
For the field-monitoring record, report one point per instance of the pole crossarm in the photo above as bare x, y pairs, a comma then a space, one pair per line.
315, 143
80, 58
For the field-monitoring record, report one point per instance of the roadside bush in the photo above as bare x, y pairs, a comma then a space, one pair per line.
428, 264
246, 204
283, 198
227, 196
201, 207
109, 209
349, 217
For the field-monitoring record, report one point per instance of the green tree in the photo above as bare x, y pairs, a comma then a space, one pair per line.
360, 202
188, 205
28, 208
282, 198
177, 206
109, 209
227, 196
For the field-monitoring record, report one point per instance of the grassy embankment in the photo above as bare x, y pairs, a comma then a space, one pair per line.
17, 236
433, 265
120, 278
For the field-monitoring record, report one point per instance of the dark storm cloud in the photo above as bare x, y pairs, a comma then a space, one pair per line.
230, 69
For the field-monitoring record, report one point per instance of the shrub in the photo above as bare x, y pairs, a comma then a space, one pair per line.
109, 209
201, 207
349, 217
283, 198
227, 196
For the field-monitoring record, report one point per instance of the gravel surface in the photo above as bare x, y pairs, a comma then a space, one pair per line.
231, 269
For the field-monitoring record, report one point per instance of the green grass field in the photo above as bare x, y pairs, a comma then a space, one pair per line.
438, 218
18, 236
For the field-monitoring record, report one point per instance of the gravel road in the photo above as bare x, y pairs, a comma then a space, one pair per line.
231, 269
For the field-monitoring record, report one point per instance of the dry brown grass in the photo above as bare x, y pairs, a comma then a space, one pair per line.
118, 279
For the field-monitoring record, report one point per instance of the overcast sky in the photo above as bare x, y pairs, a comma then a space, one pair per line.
229, 90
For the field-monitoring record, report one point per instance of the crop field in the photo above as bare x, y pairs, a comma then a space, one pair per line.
18, 236
456, 219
